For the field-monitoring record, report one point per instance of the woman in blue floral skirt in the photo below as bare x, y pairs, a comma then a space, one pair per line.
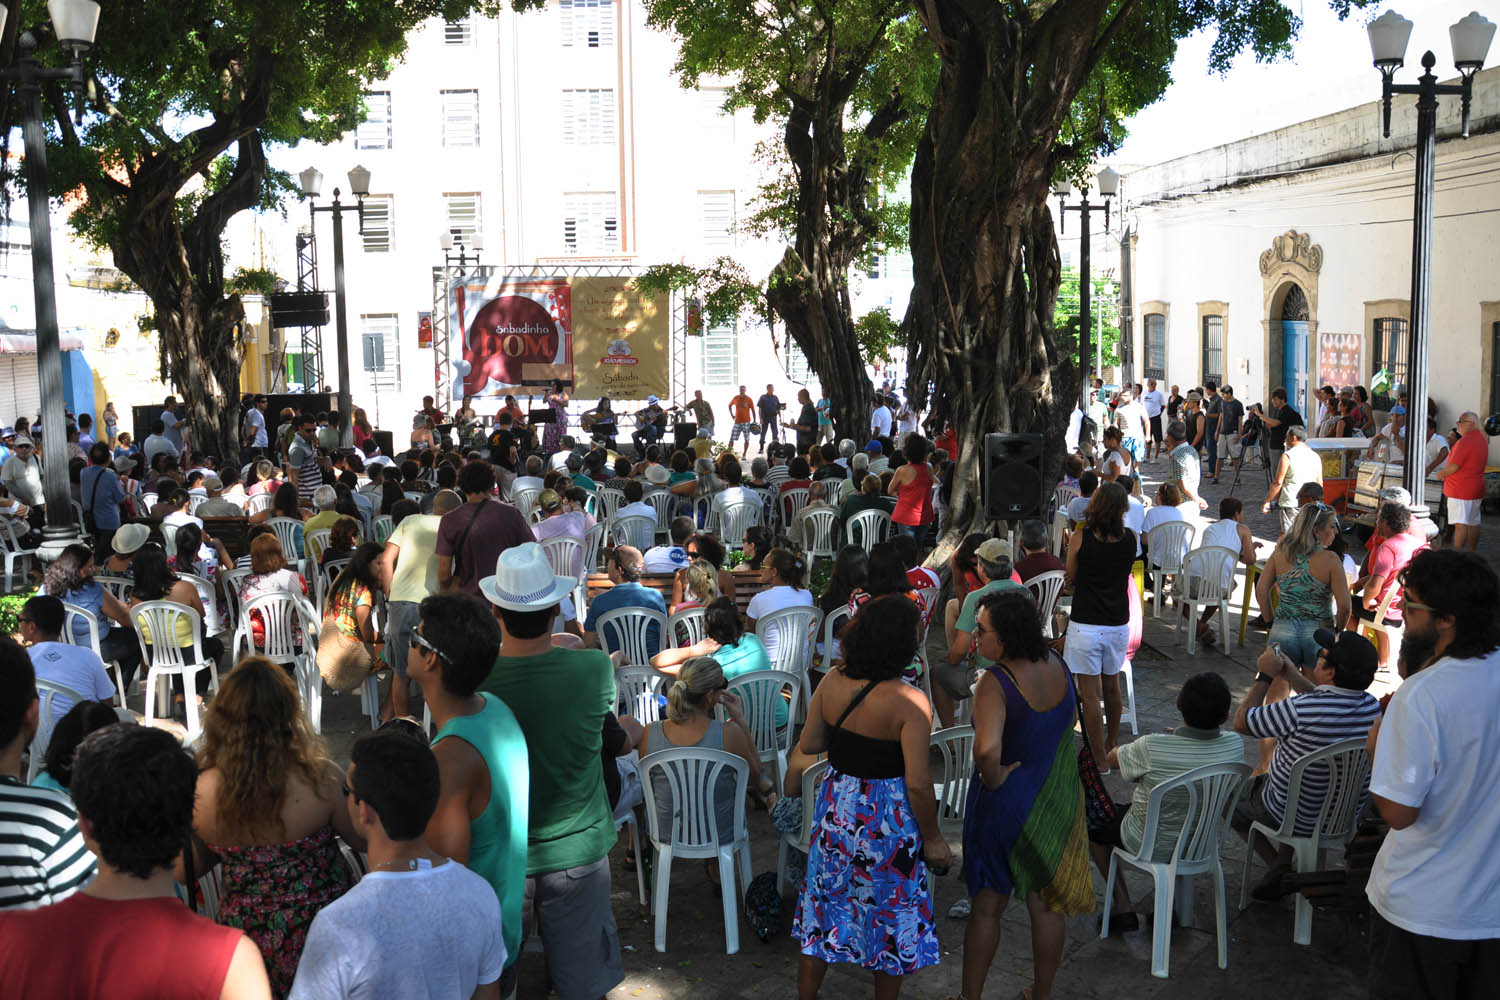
865, 899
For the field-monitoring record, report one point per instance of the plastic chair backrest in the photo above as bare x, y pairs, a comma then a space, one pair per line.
385, 527
1208, 566
1046, 588
1168, 544
838, 489
760, 692
791, 502
1345, 766
195, 501
565, 553
661, 501
706, 513
633, 529
610, 500
48, 713
593, 542
160, 619
212, 625
830, 624
1063, 495
637, 690
119, 587
231, 579
148, 500
692, 777
735, 519
868, 528
956, 745
792, 632
169, 537
315, 542
811, 778
284, 617
814, 527
288, 531
525, 499
687, 627
323, 576
258, 503
71, 613
628, 631
1211, 792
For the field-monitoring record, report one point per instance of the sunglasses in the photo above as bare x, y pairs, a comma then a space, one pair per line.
423, 642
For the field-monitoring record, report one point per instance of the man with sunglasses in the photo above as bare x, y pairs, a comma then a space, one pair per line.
1434, 925
302, 465
481, 814
1330, 706
22, 474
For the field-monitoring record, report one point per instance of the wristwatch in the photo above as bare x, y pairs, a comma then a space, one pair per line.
1263, 677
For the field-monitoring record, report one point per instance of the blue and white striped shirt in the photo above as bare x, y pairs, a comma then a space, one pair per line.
1301, 725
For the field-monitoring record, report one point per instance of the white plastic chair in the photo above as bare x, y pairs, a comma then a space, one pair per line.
1059, 533
790, 503
628, 631
149, 500
231, 579
1394, 631
314, 542
956, 745
661, 501
734, 519
760, 691
169, 537
213, 623
792, 631
692, 776
195, 501
830, 625
1203, 574
1346, 766
118, 586
1167, 545
637, 693
635, 529
593, 544
706, 513
838, 489
525, 499
289, 532
164, 658
384, 528
565, 553
323, 575
1046, 588
1063, 495
816, 528
610, 500
72, 613
802, 839
286, 617
258, 503
1212, 791
687, 627
868, 528
47, 694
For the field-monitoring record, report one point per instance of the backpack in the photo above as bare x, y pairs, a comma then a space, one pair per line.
763, 906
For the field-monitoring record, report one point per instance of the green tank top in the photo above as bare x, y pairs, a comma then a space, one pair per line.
1303, 596
497, 839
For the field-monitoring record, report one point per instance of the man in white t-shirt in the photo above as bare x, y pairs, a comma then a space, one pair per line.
1386, 445
1434, 925
1154, 400
77, 668
1228, 532
634, 506
1130, 417
254, 428
670, 558
880, 419
418, 923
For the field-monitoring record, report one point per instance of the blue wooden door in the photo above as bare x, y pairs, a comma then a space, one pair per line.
1294, 371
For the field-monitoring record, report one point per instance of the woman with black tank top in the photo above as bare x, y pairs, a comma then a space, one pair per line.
865, 899
1100, 555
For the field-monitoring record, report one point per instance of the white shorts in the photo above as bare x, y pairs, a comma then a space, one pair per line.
1226, 446
1096, 649
1464, 511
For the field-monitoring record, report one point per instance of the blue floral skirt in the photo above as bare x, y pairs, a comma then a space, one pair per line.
865, 899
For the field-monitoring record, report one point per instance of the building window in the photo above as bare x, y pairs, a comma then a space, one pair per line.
380, 350
379, 223
464, 219
589, 117
797, 367
1387, 352
721, 356
591, 223
715, 125
716, 223
375, 131
879, 267
1156, 345
1213, 349
458, 32
588, 24
460, 117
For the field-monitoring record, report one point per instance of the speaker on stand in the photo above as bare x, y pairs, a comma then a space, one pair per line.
1013, 476
685, 431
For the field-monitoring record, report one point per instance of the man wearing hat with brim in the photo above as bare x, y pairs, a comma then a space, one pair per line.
953, 681
22, 475
647, 424
561, 698
1330, 703
7, 444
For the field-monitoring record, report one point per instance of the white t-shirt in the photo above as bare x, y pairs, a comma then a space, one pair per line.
75, 667
774, 599
664, 558
173, 434
432, 933
1435, 446
880, 421
908, 421
181, 517
638, 509
1160, 514
1132, 416
1075, 427
1224, 533
256, 419
1077, 507
1154, 400
1438, 746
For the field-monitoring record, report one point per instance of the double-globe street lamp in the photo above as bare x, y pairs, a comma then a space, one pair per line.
1470, 38
311, 182
1109, 185
74, 23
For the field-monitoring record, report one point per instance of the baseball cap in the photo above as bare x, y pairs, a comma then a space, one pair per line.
25, 442
1398, 408
1397, 495
875, 446
549, 500
1352, 651
993, 550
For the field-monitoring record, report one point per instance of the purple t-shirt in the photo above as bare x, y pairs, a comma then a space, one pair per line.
486, 529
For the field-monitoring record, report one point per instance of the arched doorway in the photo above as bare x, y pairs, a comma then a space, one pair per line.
1296, 350
1289, 275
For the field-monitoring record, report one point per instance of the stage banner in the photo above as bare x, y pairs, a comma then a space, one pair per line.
509, 335
621, 340
424, 329
1339, 361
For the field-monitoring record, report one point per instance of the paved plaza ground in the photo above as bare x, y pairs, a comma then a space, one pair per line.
1263, 961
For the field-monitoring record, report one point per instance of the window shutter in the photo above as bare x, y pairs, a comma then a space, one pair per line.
460, 118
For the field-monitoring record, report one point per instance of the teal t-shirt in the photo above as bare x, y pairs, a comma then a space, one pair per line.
560, 699
970, 611
498, 837
744, 656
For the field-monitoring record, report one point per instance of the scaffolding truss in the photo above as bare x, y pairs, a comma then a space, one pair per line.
312, 336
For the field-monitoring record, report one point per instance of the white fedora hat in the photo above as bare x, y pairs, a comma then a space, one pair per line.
524, 580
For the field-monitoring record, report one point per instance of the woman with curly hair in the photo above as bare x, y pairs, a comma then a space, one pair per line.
70, 578
268, 805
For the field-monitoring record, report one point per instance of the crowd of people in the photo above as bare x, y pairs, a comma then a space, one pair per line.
424, 865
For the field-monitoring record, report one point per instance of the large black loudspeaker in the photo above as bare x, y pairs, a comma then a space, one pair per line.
685, 431
1012, 476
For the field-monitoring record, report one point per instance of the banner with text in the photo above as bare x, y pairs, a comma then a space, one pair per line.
509, 334
621, 340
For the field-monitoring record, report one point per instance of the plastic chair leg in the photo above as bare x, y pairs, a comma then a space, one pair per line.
659, 894
1161, 922
731, 901
781, 856
1185, 900
1305, 861
1221, 918
1249, 860
1109, 894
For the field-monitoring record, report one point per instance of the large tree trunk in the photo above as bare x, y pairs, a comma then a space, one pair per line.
819, 320
984, 254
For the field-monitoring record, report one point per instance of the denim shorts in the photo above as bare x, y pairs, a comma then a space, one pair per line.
401, 618
1296, 640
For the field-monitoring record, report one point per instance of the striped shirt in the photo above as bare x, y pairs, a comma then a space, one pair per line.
1160, 757
1301, 725
42, 855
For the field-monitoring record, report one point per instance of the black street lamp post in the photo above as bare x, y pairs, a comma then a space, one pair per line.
463, 258
74, 23
1471, 41
1109, 183
311, 182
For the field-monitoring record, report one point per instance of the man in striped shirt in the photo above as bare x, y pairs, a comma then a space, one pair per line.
43, 858
1332, 706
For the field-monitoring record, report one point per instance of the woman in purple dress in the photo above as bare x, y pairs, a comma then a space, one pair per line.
557, 400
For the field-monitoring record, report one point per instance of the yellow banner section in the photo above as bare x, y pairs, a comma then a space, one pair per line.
621, 340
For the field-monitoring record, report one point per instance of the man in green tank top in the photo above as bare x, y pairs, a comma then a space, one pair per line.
483, 808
